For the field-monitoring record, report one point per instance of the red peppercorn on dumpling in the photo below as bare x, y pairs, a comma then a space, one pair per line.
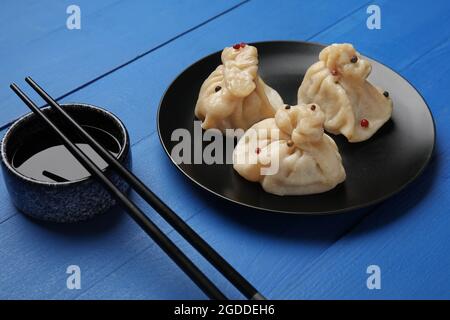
338, 83
234, 96
290, 154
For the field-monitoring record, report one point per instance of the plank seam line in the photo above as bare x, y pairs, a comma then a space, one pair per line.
148, 136
363, 217
54, 30
338, 21
372, 210
113, 270
194, 251
152, 244
347, 231
375, 208
139, 56
410, 64
309, 38
7, 218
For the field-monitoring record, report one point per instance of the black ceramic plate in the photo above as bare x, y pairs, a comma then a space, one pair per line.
376, 169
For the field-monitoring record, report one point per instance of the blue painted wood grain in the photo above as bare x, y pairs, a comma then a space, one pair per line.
407, 236
27, 21
67, 59
287, 264
242, 236
409, 29
129, 115
285, 256
154, 73
44, 30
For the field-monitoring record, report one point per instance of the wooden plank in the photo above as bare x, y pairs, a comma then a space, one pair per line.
63, 60
141, 85
409, 29
275, 252
44, 33
272, 251
240, 235
167, 62
29, 242
37, 253
25, 21
407, 237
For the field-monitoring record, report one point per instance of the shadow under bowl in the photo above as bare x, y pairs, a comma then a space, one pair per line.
67, 201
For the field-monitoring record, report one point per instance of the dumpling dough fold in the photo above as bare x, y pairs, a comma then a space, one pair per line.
234, 96
290, 154
338, 83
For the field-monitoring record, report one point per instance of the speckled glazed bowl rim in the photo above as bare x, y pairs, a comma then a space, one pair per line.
18, 122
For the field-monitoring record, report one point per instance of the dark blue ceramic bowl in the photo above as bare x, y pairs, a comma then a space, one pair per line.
69, 201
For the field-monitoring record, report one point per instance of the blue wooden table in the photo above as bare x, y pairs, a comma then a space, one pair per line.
123, 58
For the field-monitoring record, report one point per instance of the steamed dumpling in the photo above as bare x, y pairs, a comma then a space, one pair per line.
234, 96
290, 154
352, 105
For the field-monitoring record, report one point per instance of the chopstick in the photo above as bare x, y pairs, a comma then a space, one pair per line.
142, 220
161, 208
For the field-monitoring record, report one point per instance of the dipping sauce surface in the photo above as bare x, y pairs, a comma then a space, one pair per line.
43, 157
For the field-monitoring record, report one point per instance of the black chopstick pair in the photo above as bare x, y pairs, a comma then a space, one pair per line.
209, 288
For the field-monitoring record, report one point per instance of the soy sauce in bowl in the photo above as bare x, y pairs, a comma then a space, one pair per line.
45, 181
44, 158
